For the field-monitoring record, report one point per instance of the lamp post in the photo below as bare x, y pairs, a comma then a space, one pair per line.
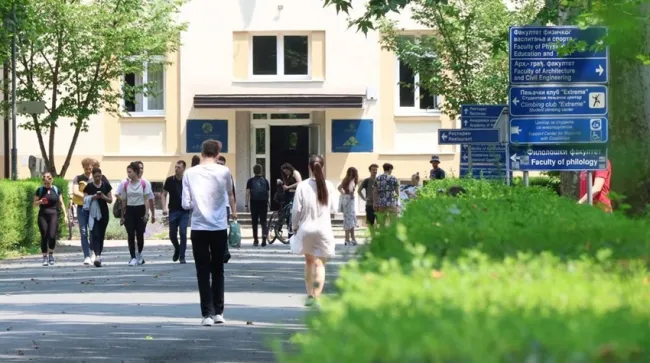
14, 150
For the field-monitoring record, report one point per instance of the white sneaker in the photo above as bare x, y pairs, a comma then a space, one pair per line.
207, 321
45, 261
87, 261
218, 319
140, 259
92, 257
133, 262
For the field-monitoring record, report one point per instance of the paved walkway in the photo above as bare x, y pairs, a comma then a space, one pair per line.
75, 313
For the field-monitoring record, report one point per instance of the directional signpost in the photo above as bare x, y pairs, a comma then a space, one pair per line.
558, 102
479, 160
468, 136
534, 57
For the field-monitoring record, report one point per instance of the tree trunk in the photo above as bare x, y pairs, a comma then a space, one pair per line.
71, 148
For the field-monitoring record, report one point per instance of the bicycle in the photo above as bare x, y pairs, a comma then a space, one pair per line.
72, 208
278, 219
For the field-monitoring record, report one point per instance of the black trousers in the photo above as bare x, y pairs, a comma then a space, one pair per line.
98, 233
135, 224
259, 211
209, 248
48, 224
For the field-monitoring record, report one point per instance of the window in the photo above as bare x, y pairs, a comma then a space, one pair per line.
153, 103
410, 97
282, 55
416, 137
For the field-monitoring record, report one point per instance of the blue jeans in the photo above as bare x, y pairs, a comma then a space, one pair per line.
83, 216
178, 219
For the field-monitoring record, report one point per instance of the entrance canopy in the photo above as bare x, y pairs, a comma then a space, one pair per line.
303, 101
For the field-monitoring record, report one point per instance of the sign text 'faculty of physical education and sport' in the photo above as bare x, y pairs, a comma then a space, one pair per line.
558, 157
468, 136
534, 56
568, 130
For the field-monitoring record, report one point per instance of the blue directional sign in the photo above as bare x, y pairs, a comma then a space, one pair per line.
558, 101
534, 56
568, 130
479, 116
486, 171
468, 136
483, 154
558, 157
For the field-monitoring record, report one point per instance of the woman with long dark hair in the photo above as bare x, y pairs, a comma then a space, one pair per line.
98, 196
347, 188
49, 200
136, 194
290, 177
312, 223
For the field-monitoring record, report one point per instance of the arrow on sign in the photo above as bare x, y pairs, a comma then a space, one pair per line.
444, 136
464, 157
515, 101
514, 157
600, 70
515, 130
466, 122
466, 110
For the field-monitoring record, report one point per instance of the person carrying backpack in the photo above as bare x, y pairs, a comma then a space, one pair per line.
257, 197
49, 199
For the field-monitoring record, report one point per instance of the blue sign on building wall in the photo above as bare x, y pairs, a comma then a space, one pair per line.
349, 136
198, 131
534, 56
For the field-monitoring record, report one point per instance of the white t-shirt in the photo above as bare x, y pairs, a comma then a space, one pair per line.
205, 192
133, 194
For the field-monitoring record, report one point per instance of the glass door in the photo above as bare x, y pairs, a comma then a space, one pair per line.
260, 141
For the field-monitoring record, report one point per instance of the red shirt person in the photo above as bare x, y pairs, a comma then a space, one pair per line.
601, 180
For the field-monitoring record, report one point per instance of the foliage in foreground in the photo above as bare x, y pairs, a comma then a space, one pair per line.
502, 221
18, 217
524, 309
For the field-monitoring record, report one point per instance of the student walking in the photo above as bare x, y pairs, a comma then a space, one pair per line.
78, 184
178, 217
312, 223
347, 188
368, 187
386, 196
257, 197
207, 189
98, 196
49, 199
136, 194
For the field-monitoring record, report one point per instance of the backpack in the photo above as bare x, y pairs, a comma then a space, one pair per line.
259, 190
119, 204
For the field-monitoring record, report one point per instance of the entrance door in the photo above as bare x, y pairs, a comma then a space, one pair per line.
288, 144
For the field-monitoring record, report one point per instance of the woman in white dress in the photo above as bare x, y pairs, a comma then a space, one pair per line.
312, 223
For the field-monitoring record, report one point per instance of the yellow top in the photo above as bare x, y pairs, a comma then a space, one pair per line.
78, 200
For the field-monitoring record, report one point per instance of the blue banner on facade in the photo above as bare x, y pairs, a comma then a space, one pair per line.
352, 136
198, 131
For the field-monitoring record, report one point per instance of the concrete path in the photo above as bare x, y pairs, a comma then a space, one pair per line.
75, 313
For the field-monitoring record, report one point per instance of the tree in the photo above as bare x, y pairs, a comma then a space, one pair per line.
465, 58
71, 54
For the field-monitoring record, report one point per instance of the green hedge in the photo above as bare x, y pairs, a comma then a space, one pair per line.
18, 217
500, 274
476, 311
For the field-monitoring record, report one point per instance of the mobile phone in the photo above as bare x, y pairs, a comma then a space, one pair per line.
98, 192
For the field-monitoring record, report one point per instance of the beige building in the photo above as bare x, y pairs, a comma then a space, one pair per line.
275, 81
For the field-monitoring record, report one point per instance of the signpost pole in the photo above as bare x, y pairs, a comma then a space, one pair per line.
14, 151
590, 191
508, 181
469, 160
526, 180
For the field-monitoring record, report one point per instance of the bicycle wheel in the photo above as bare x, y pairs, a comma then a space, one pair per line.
271, 226
280, 231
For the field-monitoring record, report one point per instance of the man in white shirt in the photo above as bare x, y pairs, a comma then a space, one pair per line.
207, 190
